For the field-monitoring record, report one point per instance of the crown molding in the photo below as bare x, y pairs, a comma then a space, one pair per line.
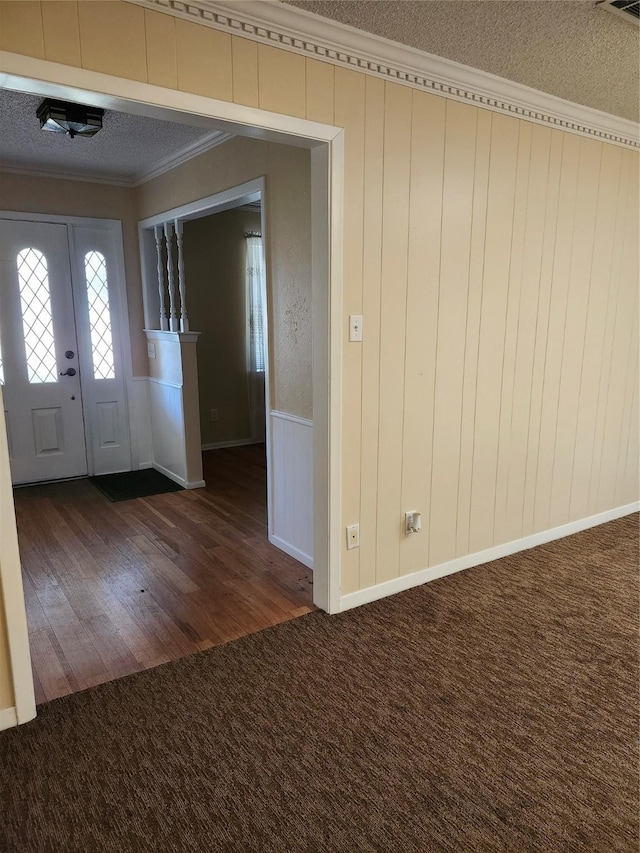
293, 29
84, 177
206, 143
194, 149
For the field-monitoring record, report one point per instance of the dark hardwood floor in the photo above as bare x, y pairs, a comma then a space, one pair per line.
114, 588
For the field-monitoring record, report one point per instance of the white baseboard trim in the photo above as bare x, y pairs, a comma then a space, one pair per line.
8, 718
195, 484
400, 584
186, 484
292, 551
234, 442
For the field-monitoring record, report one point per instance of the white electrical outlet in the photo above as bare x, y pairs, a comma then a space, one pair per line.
151, 350
355, 328
353, 536
412, 522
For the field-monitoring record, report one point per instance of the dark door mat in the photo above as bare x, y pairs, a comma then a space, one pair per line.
134, 484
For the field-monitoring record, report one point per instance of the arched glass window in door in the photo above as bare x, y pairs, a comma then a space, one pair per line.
37, 320
95, 268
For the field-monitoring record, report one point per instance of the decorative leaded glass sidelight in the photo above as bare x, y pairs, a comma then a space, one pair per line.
95, 268
37, 321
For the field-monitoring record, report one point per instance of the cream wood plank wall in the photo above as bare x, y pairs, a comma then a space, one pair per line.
495, 262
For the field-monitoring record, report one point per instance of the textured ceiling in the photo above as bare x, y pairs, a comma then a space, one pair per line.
567, 48
127, 145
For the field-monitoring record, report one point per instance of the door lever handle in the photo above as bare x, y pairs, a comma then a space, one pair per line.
70, 371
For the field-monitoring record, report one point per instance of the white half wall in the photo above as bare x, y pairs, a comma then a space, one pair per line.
173, 406
167, 430
291, 484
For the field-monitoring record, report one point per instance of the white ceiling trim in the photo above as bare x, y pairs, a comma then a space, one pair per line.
302, 32
85, 176
194, 149
211, 140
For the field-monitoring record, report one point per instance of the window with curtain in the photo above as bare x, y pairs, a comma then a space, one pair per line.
255, 297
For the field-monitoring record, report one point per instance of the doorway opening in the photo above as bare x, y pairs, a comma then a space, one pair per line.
99, 533
241, 282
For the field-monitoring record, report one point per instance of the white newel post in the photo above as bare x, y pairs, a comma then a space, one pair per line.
182, 286
158, 234
173, 317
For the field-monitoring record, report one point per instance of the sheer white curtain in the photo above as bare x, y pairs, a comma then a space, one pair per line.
255, 288
256, 311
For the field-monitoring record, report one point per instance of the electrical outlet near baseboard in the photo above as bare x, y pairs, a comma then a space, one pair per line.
214, 415
353, 536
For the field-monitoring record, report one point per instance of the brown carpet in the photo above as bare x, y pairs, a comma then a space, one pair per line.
493, 710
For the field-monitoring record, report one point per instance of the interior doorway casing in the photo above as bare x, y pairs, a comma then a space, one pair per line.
28, 74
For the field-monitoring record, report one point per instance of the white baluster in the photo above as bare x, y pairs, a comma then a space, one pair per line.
173, 317
158, 234
182, 286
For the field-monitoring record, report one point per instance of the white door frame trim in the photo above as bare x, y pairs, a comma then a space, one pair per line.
28, 74
24, 707
216, 203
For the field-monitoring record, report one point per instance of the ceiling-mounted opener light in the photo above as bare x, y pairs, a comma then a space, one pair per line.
72, 119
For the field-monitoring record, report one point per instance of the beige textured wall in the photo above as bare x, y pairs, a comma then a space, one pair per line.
25, 193
215, 267
495, 262
288, 209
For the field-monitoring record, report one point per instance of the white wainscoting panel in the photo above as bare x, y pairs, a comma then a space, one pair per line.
292, 486
140, 422
167, 429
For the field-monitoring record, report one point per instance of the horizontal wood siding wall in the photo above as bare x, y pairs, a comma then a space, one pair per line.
495, 263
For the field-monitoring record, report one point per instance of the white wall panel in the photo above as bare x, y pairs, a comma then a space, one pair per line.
140, 422
167, 429
292, 486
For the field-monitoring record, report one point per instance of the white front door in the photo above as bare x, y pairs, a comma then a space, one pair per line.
60, 350
42, 397
97, 280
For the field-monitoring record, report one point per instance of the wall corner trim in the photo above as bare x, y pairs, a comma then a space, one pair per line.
8, 718
298, 31
404, 582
